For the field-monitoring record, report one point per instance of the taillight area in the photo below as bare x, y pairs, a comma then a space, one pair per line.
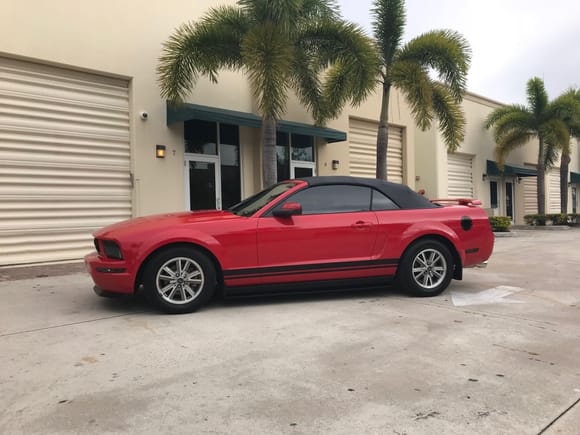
112, 250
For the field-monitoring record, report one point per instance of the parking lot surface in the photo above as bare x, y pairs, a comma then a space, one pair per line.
497, 353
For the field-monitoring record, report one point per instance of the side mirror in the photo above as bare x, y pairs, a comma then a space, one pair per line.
288, 209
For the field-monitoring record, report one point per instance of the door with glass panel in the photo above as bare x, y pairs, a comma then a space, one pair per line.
212, 165
202, 183
509, 199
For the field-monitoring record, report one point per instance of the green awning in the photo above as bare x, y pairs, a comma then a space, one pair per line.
187, 111
310, 130
574, 177
509, 169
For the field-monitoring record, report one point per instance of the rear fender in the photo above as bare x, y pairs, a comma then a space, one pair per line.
426, 229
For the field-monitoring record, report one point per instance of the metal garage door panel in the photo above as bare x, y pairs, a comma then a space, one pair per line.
553, 190
362, 150
459, 176
530, 194
64, 160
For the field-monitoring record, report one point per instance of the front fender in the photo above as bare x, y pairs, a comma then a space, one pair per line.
160, 239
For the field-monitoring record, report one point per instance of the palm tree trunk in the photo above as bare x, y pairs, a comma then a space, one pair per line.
269, 167
541, 179
383, 134
564, 165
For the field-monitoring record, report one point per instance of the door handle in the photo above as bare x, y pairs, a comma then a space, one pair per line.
361, 225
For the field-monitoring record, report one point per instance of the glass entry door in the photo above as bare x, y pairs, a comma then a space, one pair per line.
202, 183
509, 200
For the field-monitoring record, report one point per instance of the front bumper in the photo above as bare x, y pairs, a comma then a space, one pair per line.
110, 276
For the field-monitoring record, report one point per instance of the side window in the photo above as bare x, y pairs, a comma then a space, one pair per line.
333, 199
381, 202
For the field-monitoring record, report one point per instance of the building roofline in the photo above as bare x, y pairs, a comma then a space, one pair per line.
476, 98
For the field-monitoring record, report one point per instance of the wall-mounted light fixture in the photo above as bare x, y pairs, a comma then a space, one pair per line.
335, 164
160, 151
484, 177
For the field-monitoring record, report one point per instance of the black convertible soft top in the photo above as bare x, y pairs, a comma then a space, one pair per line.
400, 194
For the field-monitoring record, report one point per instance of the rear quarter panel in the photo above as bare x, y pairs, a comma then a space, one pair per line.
399, 228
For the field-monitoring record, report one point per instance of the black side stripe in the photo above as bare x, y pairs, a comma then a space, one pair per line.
306, 272
309, 268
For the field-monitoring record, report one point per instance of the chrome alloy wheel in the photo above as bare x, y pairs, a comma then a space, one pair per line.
429, 268
179, 280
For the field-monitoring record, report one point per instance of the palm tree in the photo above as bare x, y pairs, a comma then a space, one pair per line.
516, 125
569, 100
408, 66
280, 45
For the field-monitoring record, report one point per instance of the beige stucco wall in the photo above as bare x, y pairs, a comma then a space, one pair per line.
399, 115
123, 38
431, 157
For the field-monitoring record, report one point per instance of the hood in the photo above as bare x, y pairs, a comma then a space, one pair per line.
152, 223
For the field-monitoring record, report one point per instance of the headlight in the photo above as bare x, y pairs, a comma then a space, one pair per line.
112, 250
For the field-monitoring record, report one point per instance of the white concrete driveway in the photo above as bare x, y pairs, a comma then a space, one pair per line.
373, 362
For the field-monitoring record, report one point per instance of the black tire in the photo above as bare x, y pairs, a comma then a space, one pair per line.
436, 276
182, 294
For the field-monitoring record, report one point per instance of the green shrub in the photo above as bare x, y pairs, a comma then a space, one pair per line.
529, 219
500, 224
558, 218
555, 218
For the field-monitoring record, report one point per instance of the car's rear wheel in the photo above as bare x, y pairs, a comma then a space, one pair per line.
179, 280
426, 268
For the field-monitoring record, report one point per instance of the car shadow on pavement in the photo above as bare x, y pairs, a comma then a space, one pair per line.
138, 304
383, 292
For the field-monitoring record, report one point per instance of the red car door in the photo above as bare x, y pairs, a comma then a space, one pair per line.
333, 238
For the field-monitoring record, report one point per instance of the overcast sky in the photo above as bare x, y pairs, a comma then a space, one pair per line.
511, 40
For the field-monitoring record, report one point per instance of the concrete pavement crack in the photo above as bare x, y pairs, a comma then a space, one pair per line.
559, 416
64, 325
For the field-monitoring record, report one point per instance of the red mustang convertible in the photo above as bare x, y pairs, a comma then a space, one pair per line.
307, 234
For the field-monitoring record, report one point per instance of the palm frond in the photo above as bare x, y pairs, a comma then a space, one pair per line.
389, 20
451, 117
511, 141
344, 43
556, 133
537, 96
513, 121
550, 156
201, 48
565, 107
413, 80
501, 112
447, 52
283, 13
337, 89
321, 9
305, 80
267, 55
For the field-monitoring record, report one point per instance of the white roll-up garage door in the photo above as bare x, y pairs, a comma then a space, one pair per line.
459, 176
530, 193
553, 190
64, 160
362, 138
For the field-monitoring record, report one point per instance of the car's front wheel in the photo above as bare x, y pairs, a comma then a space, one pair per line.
179, 280
426, 268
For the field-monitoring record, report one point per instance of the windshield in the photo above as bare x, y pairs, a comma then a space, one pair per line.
254, 203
